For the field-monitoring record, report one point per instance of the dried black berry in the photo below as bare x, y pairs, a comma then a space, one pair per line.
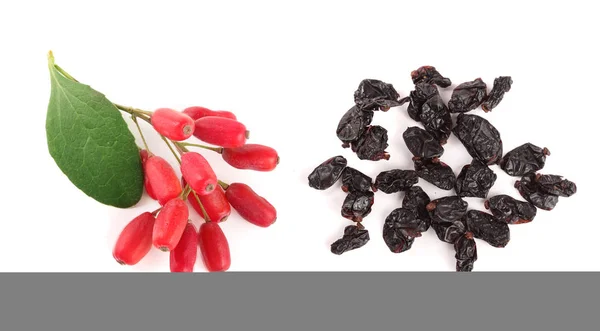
485, 227
449, 231
480, 138
396, 180
371, 144
557, 185
417, 97
421, 143
357, 205
416, 200
475, 180
510, 210
327, 173
447, 209
354, 180
400, 229
429, 74
530, 190
436, 172
466, 252
467, 96
355, 236
353, 124
524, 159
502, 85
436, 118
374, 94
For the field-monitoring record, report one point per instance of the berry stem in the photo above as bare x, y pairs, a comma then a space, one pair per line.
214, 149
156, 211
134, 119
186, 191
204, 213
171, 148
180, 148
223, 185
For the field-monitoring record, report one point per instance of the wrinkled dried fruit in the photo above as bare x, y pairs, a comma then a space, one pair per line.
357, 205
374, 94
400, 229
485, 227
531, 191
372, 144
421, 143
353, 124
510, 210
436, 118
524, 159
429, 74
355, 181
355, 236
436, 172
475, 180
557, 185
467, 96
395, 180
447, 209
466, 252
449, 231
502, 85
480, 138
417, 97
416, 200
327, 173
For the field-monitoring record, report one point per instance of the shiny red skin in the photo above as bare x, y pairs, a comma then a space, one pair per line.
183, 257
170, 224
251, 156
220, 131
172, 124
214, 247
135, 240
199, 112
162, 179
216, 205
252, 207
144, 156
198, 173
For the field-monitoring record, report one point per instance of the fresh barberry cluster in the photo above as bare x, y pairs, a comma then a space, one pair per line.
449, 216
169, 228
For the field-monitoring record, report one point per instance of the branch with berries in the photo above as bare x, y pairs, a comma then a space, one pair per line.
91, 143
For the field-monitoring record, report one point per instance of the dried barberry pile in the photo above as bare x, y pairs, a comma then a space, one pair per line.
449, 216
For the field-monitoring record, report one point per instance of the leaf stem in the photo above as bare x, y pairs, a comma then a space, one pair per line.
214, 149
134, 118
171, 148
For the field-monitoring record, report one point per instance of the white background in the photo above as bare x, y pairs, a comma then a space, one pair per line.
289, 72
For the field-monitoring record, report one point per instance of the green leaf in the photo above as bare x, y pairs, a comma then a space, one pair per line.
91, 143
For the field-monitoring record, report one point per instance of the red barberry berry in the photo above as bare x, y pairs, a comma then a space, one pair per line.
169, 225
135, 240
162, 179
198, 173
214, 247
144, 156
252, 207
199, 112
251, 156
221, 131
172, 124
183, 257
215, 204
